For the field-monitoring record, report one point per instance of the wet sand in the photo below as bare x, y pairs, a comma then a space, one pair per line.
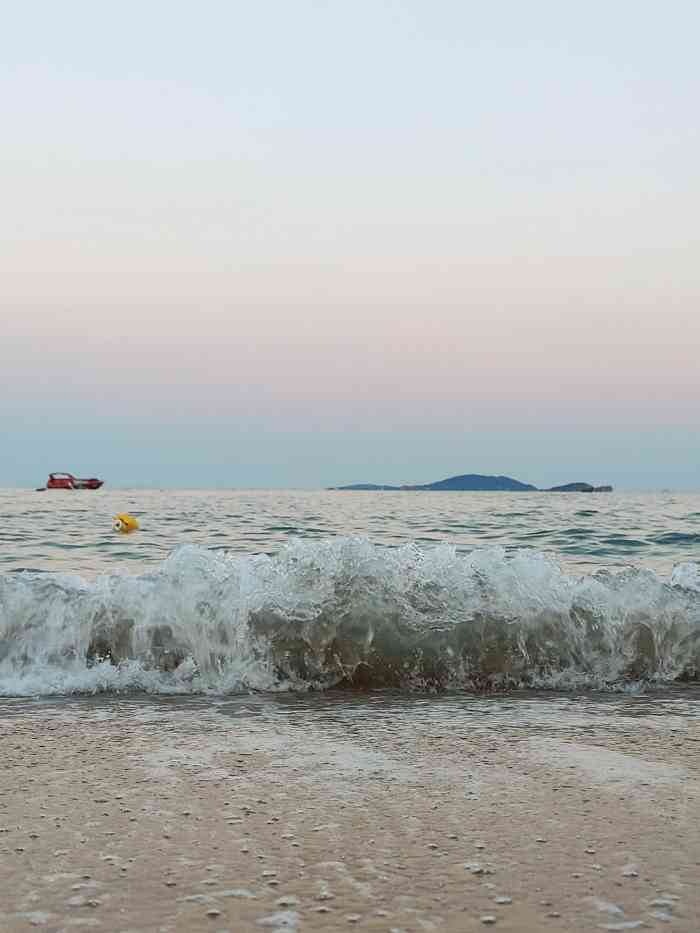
334, 813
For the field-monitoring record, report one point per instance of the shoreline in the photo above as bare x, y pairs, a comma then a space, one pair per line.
328, 813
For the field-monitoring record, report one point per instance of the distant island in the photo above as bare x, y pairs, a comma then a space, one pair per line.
473, 482
579, 487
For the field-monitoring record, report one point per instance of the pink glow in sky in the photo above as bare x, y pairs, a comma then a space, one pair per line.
323, 239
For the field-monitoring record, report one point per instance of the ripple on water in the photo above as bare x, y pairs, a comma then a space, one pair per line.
73, 533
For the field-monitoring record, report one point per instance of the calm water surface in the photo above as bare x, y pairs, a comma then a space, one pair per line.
72, 531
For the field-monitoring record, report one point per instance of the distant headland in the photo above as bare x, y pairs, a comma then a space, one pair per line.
474, 482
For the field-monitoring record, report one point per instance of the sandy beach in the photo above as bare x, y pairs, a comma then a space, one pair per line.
330, 813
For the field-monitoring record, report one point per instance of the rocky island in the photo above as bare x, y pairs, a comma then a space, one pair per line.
473, 482
579, 487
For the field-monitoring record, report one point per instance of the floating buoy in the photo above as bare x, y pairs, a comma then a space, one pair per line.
125, 523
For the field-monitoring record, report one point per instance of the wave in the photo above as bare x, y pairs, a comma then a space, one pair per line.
346, 613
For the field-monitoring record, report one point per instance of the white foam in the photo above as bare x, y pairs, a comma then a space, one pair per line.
319, 613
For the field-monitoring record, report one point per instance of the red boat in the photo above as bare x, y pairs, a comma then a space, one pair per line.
68, 481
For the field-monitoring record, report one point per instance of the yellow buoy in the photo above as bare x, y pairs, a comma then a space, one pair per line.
125, 523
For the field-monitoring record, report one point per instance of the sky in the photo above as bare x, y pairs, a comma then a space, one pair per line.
302, 244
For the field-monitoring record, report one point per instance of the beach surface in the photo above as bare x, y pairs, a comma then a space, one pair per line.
379, 812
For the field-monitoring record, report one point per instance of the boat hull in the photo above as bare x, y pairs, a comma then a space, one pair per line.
68, 481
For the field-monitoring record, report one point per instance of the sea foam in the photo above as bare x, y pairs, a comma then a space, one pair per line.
346, 612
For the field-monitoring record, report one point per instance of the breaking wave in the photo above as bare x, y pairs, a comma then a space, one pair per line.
346, 613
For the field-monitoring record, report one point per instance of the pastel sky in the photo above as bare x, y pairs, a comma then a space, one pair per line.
308, 243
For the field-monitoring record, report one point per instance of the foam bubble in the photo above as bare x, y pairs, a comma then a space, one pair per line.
323, 614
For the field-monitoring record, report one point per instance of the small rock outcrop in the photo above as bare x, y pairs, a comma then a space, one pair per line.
579, 487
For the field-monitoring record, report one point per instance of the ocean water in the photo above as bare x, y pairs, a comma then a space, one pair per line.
228, 591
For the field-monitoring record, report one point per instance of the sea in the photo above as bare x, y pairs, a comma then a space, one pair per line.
226, 591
